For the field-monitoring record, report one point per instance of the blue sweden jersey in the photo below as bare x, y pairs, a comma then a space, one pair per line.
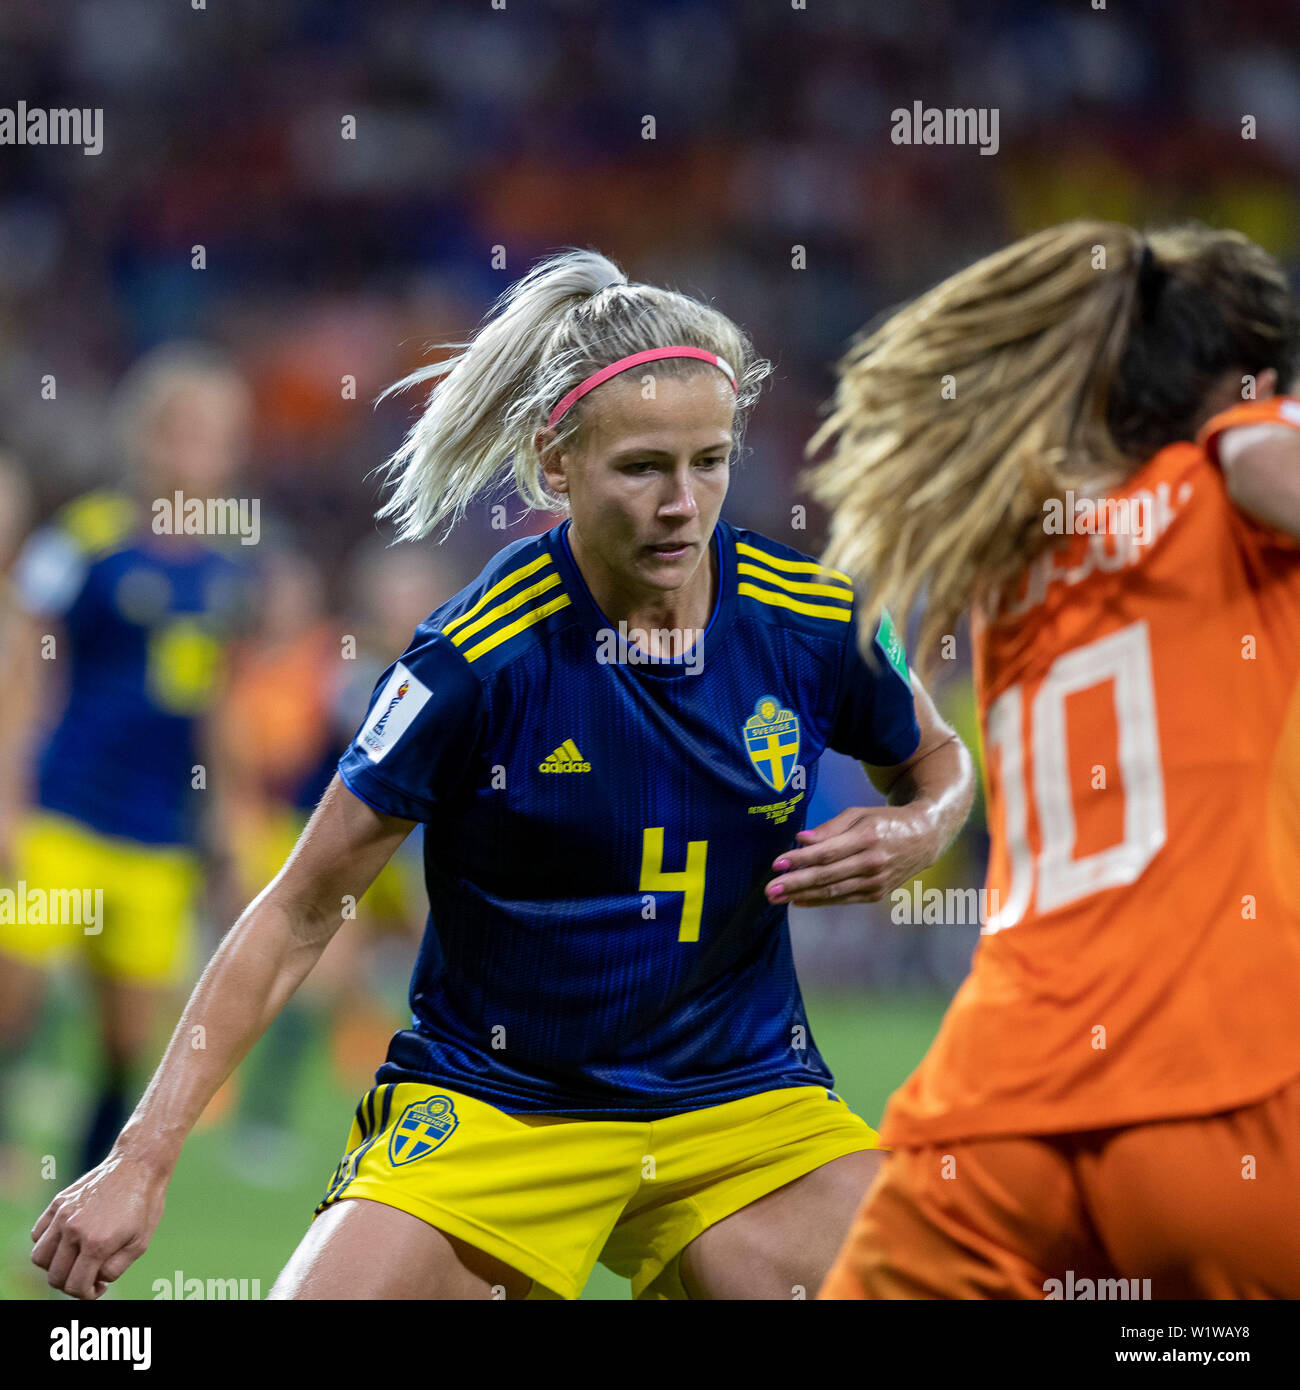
600, 831
144, 626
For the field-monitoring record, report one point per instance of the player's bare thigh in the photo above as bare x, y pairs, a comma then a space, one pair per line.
782, 1245
359, 1249
128, 1016
22, 993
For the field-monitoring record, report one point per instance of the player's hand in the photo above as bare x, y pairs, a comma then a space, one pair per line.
94, 1229
855, 857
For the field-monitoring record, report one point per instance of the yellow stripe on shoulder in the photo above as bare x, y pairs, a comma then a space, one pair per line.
508, 605
776, 600
99, 520
796, 586
790, 566
499, 588
534, 615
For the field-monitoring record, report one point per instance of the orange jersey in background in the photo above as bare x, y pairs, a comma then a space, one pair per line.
278, 712
1140, 712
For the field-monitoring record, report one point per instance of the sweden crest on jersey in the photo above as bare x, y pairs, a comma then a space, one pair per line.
772, 741
424, 1126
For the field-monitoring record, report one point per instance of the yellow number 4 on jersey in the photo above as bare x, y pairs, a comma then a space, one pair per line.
688, 881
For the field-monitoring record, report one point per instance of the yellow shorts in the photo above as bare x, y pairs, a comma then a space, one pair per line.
129, 906
262, 846
550, 1196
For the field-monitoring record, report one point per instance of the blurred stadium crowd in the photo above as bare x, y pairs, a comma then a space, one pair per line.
485, 137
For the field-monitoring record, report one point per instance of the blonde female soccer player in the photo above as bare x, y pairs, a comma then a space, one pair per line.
610, 737
1114, 1095
141, 617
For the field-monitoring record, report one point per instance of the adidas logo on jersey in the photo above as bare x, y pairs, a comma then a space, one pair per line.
566, 758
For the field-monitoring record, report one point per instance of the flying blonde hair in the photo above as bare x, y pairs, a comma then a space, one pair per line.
1070, 357
571, 315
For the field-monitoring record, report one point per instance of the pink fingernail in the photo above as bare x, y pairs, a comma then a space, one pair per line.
783, 864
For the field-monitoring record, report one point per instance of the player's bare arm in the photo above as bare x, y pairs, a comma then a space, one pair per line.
1261, 464
96, 1228
862, 853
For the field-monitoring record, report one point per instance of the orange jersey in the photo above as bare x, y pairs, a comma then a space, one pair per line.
1140, 708
277, 713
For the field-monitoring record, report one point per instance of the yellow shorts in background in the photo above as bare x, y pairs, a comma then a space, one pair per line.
550, 1196
395, 897
145, 902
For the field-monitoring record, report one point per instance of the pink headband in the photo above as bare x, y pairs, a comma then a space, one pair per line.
626, 363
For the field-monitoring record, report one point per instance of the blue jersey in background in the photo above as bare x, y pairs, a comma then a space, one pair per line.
143, 621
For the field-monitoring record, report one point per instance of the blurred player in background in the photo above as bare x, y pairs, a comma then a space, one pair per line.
301, 681
1115, 1090
277, 748
17, 687
16, 660
610, 737
130, 621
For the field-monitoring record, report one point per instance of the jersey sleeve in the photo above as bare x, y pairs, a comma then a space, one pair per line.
1277, 410
1257, 417
875, 716
420, 733
50, 572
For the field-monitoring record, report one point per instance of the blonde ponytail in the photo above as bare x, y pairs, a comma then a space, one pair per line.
571, 315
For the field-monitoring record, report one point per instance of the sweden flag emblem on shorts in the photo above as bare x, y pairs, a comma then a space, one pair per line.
772, 741
423, 1127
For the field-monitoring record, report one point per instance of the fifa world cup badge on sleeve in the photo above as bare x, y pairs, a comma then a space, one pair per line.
889, 642
425, 1125
398, 704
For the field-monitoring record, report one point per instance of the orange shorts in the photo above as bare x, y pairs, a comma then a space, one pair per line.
1202, 1208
